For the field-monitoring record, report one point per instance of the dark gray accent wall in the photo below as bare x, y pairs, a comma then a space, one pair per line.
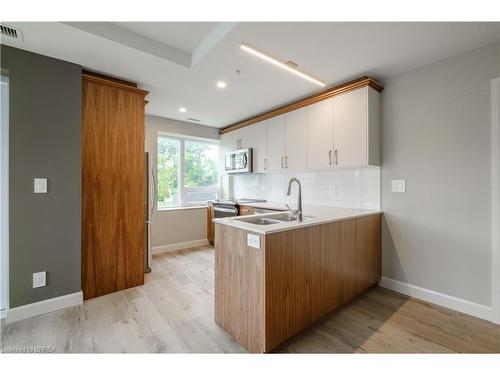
45, 141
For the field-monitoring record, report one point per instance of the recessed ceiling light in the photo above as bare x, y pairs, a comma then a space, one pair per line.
221, 84
288, 67
182, 109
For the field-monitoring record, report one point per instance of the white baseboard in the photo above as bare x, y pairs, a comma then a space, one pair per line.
43, 307
445, 300
179, 246
3, 314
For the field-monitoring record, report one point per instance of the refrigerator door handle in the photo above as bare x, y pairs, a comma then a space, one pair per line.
149, 222
153, 201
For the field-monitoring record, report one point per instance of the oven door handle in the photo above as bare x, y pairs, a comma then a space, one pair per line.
229, 210
245, 160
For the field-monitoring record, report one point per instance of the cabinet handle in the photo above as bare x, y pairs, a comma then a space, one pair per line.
330, 157
265, 164
336, 157
286, 161
282, 162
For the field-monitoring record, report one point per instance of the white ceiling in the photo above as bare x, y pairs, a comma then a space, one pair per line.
179, 63
185, 36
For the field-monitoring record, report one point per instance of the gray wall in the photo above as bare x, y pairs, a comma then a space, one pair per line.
154, 124
45, 141
436, 135
176, 226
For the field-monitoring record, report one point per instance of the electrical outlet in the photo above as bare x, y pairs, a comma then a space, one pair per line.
39, 279
40, 185
398, 186
253, 240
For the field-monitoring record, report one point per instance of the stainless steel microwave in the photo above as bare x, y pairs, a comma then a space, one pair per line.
239, 161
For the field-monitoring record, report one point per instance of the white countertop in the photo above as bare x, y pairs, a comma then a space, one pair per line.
313, 215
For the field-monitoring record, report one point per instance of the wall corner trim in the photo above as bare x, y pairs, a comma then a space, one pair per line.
495, 198
445, 300
44, 307
179, 246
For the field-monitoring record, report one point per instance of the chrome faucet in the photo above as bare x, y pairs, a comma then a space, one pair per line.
298, 211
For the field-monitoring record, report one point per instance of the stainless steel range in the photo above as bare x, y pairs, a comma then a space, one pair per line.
225, 208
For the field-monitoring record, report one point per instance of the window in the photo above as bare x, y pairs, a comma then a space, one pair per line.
188, 171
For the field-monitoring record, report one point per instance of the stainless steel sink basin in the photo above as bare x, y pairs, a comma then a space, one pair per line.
259, 220
271, 219
283, 217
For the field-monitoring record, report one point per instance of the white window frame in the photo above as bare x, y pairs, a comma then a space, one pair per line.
183, 191
4, 196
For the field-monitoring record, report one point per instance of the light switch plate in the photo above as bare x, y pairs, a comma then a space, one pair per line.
253, 240
398, 186
40, 185
39, 279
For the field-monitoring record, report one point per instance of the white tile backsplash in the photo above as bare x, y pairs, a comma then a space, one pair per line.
352, 188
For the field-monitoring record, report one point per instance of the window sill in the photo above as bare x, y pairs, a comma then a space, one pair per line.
180, 208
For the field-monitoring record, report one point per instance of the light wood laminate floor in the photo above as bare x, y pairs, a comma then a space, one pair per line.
173, 312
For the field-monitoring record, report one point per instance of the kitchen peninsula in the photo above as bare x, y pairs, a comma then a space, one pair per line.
275, 276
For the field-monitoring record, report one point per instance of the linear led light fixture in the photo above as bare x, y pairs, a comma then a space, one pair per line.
272, 60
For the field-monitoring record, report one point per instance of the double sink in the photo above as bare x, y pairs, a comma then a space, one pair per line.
271, 219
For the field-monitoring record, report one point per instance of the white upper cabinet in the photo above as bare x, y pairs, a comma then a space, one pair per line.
244, 137
350, 131
254, 136
356, 128
259, 146
276, 144
343, 131
227, 144
229, 141
240, 138
320, 135
295, 140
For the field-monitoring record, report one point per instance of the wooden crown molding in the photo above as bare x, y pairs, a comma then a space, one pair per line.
114, 83
109, 78
331, 92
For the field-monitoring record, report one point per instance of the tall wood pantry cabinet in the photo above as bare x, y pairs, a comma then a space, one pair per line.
113, 186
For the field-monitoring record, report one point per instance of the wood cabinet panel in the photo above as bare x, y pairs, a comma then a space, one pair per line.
310, 272
292, 264
239, 297
331, 267
348, 252
368, 258
113, 195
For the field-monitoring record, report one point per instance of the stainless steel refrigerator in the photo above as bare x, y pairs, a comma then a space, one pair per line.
150, 197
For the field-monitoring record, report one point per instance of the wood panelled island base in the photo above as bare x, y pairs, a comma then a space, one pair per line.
265, 296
